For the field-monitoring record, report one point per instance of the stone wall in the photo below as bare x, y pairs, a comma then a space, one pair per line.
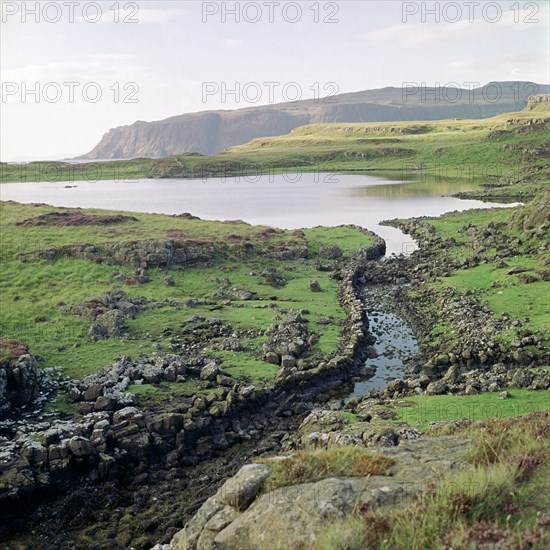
116, 438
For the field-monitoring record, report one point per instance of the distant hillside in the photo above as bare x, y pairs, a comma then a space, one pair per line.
211, 132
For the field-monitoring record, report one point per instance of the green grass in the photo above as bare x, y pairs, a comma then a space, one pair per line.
150, 394
350, 417
422, 410
500, 499
61, 405
20, 239
32, 291
346, 238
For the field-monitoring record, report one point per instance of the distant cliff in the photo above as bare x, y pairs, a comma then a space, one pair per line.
211, 132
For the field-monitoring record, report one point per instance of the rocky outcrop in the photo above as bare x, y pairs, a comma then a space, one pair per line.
108, 312
458, 380
19, 382
535, 215
168, 253
241, 515
324, 428
288, 340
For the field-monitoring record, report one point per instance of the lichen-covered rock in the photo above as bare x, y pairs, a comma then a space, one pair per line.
219, 511
240, 490
292, 516
209, 372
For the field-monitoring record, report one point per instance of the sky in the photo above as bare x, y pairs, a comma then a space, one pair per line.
70, 71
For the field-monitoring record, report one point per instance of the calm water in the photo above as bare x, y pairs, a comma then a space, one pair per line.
395, 342
287, 201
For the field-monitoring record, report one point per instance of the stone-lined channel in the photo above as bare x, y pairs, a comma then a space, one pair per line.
395, 344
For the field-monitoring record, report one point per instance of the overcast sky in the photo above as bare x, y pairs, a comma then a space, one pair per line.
154, 62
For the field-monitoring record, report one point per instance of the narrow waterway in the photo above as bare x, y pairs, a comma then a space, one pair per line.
395, 344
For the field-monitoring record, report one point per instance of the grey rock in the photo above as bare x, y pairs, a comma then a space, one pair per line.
240, 490
288, 361
209, 372
314, 286
436, 388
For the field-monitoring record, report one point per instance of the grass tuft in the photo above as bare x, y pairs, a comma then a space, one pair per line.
305, 467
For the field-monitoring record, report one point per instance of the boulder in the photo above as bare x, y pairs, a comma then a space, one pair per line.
79, 447
314, 286
209, 372
105, 403
112, 320
436, 388
127, 414
18, 382
240, 490
288, 361
93, 392
272, 357
98, 332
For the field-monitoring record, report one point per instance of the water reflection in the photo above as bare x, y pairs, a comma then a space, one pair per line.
289, 201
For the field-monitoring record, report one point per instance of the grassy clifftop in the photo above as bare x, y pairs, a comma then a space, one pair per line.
508, 148
514, 145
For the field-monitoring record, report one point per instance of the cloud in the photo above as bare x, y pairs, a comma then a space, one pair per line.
411, 35
533, 67
98, 70
138, 14
113, 56
232, 41
151, 15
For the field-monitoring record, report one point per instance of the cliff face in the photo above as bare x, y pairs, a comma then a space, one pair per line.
211, 132
206, 133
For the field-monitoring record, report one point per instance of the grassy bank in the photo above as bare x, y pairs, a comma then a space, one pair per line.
497, 260
33, 292
422, 411
499, 500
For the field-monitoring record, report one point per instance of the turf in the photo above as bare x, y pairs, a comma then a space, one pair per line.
33, 291
423, 410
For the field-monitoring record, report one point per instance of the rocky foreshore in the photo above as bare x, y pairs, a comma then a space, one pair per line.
114, 438
244, 513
